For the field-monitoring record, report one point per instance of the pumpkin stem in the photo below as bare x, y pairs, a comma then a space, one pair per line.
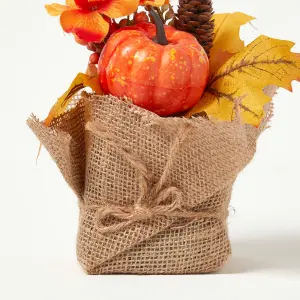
160, 30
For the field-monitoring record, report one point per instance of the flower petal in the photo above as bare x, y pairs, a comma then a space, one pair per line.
88, 26
153, 2
80, 41
118, 8
90, 4
55, 9
71, 3
110, 8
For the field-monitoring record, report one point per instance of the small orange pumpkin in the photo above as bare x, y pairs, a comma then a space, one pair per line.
160, 68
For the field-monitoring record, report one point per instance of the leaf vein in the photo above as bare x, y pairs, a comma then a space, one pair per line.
231, 99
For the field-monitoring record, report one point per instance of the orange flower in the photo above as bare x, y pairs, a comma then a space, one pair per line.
152, 2
84, 18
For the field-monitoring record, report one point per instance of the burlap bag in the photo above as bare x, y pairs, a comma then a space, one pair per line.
153, 192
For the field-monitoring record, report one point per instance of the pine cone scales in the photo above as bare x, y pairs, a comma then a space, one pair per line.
195, 17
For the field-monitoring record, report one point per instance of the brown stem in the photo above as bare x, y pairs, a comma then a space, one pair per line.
160, 30
160, 14
128, 20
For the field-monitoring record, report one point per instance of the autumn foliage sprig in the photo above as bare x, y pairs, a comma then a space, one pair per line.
237, 72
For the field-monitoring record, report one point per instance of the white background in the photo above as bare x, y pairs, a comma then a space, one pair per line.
39, 214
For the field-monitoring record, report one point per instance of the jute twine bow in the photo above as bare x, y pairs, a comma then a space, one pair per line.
153, 197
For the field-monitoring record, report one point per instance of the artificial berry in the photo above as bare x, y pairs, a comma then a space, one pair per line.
94, 58
123, 23
99, 47
140, 17
91, 47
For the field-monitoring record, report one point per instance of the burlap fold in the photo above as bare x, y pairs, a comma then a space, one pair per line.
153, 192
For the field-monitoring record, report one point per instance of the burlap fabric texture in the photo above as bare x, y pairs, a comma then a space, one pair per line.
153, 192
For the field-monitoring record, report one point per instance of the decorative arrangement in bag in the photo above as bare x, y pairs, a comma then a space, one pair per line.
153, 135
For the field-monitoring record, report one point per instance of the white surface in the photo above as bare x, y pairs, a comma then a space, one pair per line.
38, 215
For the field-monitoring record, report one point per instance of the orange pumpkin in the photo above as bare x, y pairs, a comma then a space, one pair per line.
166, 74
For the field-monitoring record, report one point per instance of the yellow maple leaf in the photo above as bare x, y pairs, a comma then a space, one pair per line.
227, 40
80, 82
264, 62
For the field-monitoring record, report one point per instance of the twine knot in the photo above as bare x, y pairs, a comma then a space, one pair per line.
142, 213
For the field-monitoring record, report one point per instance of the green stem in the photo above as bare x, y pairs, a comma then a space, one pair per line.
160, 30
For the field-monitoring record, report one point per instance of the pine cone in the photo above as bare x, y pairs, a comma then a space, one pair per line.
195, 17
